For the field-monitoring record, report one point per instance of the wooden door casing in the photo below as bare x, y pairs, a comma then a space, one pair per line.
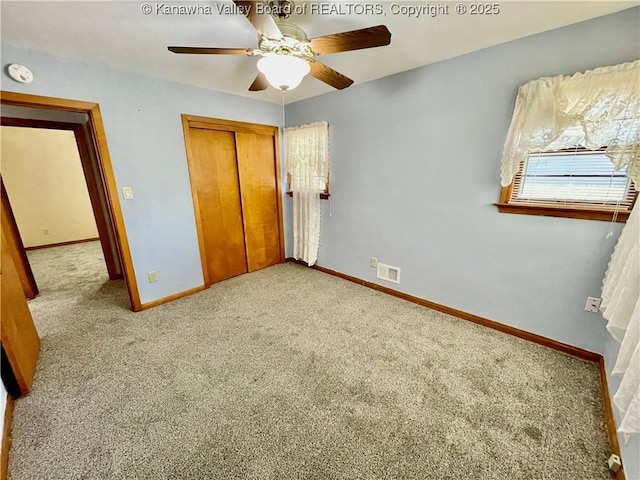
18, 333
258, 191
97, 143
16, 247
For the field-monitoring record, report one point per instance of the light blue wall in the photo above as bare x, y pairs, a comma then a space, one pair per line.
402, 147
415, 162
415, 170
142, 120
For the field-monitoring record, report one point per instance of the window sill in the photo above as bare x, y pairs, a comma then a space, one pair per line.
323, 196
559, 211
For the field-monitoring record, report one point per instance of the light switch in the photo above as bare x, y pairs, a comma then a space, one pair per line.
127, 192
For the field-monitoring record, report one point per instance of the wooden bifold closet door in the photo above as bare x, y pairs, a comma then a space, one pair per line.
234, 174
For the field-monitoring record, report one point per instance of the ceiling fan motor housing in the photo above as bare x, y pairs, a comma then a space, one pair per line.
292, 30
281, 8
294, 42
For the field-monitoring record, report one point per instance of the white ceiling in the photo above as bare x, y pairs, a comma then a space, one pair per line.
118, 34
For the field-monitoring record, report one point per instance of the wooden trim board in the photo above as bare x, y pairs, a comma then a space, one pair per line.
170, 298
6, 437
99, 138
62, 244
101, 218
565, 212
196, 121
277, 146
609, 418
194, 197
532, 337
8, 220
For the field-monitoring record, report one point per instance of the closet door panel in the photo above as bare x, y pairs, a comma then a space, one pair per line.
259, 193
215, 179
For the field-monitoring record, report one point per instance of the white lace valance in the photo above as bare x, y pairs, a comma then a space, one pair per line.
595, 109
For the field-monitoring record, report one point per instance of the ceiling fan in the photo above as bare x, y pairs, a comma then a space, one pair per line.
287, 53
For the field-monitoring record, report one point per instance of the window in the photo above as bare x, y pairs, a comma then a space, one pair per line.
576, 183
321, 183
307, 159
585, 130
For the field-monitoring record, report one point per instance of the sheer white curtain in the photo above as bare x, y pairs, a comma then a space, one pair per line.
595, 109
307, 149
621, 307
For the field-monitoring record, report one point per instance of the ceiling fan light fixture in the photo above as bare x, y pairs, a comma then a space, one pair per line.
284, 72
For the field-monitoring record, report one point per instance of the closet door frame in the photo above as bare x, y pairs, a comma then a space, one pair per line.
194, 121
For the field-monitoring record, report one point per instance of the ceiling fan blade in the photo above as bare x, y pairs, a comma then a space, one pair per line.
329, 76
260, 83
377, 36
263, 23
212, 51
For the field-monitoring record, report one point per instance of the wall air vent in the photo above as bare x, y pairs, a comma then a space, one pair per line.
389, 273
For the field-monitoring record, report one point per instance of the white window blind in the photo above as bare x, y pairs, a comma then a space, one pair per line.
578, 179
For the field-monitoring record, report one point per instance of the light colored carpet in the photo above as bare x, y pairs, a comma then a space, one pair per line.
78, 267
289, 373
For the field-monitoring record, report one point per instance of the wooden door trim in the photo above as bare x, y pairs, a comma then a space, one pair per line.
19, 336
196, 204
98, 140
87, 170
96, 205
6, 437
276, 140
207, 123
31, 123
26, 274
194, 121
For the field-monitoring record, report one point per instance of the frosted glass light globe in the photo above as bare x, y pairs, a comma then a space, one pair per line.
284, 72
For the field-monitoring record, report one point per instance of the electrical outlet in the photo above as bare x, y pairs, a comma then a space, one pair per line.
45, 231
614, 462
153, 276
127, 193
593, 304
373, 262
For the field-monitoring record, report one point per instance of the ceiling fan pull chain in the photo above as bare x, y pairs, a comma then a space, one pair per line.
283, 147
